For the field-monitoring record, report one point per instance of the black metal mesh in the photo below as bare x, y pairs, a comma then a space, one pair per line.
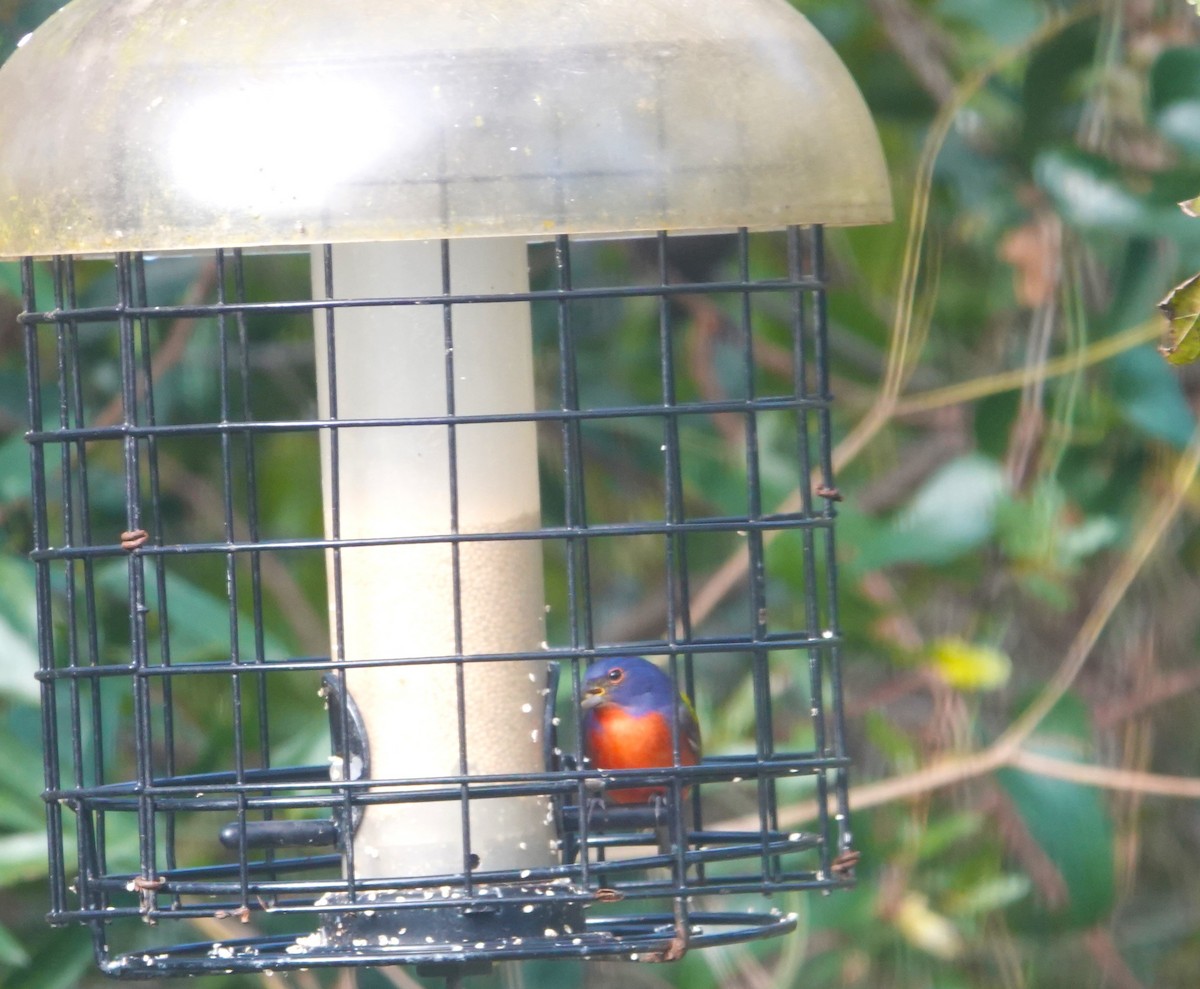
687, 516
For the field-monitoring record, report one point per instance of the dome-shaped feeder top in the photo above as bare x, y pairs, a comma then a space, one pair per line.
175, 124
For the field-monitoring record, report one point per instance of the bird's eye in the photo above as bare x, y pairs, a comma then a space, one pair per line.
616, 676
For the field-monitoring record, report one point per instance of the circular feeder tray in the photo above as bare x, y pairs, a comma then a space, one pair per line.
607, 937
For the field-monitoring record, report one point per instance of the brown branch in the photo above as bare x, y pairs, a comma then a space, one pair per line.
1007, 749
1026, 434
887, 693
399, 977
1003, 381
915, 462
1144, 543
961, 768
1136, 746
1107, 777
203, 498
896, 625
903, 347
207, 504
198, 492
945, 772
707, 324
1163, 688
170, 352
1014, 832
917, 40
218, 931
1107, 957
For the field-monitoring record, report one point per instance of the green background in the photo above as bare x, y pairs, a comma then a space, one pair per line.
979, 521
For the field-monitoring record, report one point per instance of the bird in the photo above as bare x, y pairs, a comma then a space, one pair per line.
627, 705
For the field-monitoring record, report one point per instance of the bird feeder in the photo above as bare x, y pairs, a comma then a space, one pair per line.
474, 203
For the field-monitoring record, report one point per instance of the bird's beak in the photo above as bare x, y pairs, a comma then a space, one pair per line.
592, 696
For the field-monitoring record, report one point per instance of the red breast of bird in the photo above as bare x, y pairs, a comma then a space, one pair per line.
627, 724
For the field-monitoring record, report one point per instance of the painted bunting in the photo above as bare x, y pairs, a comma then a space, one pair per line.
627, 706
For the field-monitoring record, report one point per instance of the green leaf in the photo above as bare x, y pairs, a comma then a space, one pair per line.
992, 422
1182, 309
10, 278
18, 631
21, 780
1091, 194
953, 513
1049, 589
1081, 541
22, 857
1068, 821
13, 405
199, 621
1175, 96
927, 929
11, 952
936, 836
1054, 85
1146, 391
992, 893
14, 465
58, 964
898, 746
1004, 23
1150, 398
1041, 529
43, 282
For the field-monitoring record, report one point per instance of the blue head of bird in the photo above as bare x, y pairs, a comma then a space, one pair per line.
633, 683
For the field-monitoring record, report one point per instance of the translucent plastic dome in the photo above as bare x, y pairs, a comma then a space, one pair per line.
161, 124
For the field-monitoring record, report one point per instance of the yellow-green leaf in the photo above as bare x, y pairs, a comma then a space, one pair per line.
969, 666
1182, 309
926, 929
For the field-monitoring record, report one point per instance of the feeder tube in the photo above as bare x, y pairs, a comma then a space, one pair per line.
398, 602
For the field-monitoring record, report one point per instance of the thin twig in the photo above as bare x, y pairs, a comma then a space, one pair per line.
902, 351
917, 41
1107, 956
996, 384
1137, 749
1007, 749
218, 930
1163, 688
1013, 831
1030, 421
170, 352
1130, 565
399, 977
206, 504
1107, 777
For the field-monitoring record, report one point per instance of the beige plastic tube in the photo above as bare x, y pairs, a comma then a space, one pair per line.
399, 601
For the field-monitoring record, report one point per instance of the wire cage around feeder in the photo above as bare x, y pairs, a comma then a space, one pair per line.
507, 458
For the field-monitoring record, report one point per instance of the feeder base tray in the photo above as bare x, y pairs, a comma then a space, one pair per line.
630, 938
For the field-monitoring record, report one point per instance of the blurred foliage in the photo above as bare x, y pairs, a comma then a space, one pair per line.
1034, 429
